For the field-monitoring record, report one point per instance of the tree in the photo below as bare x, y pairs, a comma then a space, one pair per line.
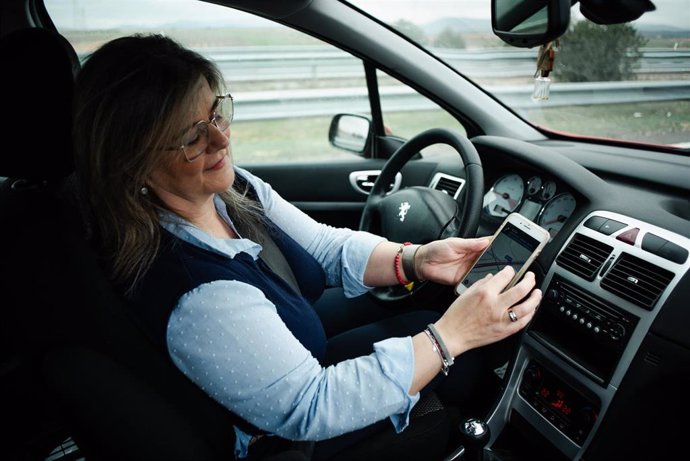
449, 38
590, 53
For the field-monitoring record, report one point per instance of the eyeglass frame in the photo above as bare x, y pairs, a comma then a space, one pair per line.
211, 120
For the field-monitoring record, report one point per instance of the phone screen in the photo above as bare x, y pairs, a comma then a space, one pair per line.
511, 247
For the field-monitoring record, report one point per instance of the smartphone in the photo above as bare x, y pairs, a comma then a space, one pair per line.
517, 242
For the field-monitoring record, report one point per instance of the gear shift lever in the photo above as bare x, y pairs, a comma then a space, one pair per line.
475, 435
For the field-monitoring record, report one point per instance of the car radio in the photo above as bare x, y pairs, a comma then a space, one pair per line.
584, 328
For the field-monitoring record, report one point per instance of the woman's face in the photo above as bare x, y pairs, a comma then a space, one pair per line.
180, 183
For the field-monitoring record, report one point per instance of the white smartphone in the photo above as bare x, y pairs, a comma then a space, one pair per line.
517, 242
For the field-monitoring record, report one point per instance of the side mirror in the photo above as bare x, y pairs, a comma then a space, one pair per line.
528, 23
350, 132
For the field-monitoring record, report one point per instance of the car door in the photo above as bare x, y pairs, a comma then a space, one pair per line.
330, 183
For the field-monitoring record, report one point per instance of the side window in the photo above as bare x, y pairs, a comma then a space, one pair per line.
287, 85
407, 113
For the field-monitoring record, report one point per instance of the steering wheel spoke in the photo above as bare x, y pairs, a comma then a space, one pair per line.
420, 214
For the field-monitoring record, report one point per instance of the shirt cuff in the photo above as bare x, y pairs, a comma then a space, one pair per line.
242, 440
355, 256
396, 356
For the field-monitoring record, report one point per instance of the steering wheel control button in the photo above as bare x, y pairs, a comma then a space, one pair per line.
629, 236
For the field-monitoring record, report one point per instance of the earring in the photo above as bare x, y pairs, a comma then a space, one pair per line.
144, 190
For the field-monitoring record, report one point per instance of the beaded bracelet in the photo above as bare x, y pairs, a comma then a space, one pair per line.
397, 265
440, 348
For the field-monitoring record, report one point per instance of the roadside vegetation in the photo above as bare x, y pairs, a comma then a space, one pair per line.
575, 61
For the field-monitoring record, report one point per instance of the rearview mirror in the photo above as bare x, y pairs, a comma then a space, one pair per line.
528, 23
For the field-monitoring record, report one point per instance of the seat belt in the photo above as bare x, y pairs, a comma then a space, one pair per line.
274, 258
276, 261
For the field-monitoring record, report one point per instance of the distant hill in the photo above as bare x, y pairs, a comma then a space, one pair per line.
463, 25
658, 30
473, 25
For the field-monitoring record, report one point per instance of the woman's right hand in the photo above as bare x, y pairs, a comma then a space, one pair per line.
480, 315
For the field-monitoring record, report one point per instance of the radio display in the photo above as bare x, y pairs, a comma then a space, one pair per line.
559, 403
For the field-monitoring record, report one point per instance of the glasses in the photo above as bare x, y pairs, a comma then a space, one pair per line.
195, 141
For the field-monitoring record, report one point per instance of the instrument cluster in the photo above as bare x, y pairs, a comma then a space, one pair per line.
538, 198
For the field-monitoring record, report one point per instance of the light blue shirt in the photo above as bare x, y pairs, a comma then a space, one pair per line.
228, 338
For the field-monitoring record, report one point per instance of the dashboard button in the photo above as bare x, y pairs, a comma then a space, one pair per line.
611, 226
674, 253
595, 222
652, 243
664, 248
629, 236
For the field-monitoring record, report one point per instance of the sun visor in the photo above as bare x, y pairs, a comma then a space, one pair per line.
614, 11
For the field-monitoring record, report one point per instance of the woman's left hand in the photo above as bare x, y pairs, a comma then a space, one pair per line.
447, 261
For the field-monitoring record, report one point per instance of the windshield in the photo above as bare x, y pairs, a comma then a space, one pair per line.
628, 82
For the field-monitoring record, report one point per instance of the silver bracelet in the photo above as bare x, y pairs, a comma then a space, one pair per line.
440, 348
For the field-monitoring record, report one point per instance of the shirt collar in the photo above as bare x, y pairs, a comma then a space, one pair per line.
188, 232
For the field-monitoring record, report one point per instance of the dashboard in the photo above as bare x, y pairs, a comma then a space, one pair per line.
615, 278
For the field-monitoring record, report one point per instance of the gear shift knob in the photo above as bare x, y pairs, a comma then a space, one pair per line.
475, 435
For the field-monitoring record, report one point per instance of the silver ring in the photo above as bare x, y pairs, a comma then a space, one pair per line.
513, 316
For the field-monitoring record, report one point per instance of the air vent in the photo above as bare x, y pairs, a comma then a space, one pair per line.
448, 184
636, 280
584, 256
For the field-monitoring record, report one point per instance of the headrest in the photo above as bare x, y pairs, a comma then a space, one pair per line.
39, 67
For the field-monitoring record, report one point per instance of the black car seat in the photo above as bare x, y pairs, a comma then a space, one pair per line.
62, 323
61, 319
38, 70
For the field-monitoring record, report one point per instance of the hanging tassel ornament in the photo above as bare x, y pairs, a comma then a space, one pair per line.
542, 82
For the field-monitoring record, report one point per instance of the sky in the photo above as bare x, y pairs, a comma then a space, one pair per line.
96, 14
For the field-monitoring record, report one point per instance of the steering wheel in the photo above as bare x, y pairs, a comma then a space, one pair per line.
420, 214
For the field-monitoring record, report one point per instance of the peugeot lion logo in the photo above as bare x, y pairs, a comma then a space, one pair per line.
404, 208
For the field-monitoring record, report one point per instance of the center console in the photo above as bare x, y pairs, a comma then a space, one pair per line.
601, 296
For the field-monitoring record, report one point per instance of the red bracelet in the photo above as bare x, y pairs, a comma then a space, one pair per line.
398, 265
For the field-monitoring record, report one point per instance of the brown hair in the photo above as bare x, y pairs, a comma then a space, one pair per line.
131, 100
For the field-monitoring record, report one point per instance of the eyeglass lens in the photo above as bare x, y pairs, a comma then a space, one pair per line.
196, 141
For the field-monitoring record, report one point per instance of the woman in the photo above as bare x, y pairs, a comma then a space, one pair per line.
223, 271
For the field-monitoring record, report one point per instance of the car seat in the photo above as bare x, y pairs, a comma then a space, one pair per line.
83, 358
62, 319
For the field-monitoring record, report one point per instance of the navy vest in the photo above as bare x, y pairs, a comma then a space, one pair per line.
181, 267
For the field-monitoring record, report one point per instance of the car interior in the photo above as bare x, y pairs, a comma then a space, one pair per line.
599, 374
